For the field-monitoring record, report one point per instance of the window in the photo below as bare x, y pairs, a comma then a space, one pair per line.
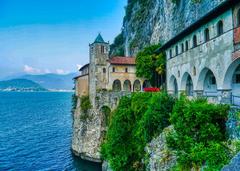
113, 70
170, 53
194, 41
182, 47
194, 71
176, 49
220, 28
238, 18
126, 69
102, 49
186, 45
104, 70
206, 35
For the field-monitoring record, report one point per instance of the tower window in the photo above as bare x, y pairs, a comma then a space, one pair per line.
104, 70
176, 49
206, 35
170, 53
126, 69
113, 70
186, 45
102, 49
194, 41
220, 28
182, 47
238, 18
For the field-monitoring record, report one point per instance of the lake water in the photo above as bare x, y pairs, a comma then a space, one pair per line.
35, 133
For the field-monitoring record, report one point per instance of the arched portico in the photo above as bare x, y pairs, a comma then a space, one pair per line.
207, 83
136, 86
116, 85
231, 82
173, 85
187, 84
127, 85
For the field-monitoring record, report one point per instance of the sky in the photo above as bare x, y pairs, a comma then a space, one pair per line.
53, 36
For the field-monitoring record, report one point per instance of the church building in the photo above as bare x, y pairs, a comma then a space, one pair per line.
107, 73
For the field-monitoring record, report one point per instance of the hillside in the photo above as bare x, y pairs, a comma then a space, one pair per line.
52, 81
157, 21
20, 85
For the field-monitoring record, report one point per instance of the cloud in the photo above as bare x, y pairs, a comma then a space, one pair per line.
61, 71
31, 70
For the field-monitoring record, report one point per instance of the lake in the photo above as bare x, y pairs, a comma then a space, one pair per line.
35, 133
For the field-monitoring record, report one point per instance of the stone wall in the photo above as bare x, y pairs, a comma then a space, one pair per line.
89, 129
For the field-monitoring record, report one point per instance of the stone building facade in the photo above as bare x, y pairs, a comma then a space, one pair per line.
105, 73
204, 59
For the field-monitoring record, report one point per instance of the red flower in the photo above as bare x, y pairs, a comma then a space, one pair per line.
152, 89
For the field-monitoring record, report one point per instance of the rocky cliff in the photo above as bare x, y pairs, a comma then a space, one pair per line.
156, 21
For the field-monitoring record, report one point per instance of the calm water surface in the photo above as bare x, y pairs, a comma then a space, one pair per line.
35, 133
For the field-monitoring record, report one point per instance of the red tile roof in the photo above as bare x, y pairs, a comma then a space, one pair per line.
118, 60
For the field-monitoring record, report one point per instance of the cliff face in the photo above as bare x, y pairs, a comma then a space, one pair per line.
156, 21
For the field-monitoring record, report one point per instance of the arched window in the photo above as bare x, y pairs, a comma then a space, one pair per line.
182, 45
176, 49
104, 70
238, 18
102, 49
206, 35
220, 28
186, 45
194, 41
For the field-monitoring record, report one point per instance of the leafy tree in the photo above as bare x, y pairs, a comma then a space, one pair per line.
149, 64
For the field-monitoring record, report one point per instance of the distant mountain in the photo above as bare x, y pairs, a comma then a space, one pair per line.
53, 81
20, 85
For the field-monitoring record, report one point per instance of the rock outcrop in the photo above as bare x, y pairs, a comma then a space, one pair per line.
156, 21
161, 158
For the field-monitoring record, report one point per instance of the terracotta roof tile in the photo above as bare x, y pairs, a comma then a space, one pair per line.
118, 60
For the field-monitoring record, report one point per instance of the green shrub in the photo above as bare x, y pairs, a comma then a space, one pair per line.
85, 104
135, 122
74, 102
200, 133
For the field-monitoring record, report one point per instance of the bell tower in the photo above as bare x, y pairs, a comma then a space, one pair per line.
99, 54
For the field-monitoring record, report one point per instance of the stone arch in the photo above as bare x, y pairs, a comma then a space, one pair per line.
106, 114
173, 85
207, 82
136, 86
146, 84
117, 85
187, 84
231, 77
127, 85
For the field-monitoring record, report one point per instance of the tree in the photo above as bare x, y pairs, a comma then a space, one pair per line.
151, 65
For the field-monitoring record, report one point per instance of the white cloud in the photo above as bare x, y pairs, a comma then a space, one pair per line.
47, 71
31, 70
61, 71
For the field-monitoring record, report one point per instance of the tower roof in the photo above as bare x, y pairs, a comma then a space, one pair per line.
99, 39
